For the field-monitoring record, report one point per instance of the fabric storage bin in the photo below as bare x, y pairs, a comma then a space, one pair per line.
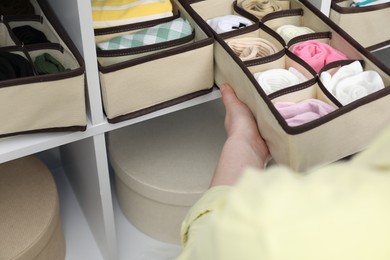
365, 24
30, 226
345, 131
48, 100
136, 81
164, 165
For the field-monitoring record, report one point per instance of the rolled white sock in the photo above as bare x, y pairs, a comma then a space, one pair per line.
276, 79
290, 31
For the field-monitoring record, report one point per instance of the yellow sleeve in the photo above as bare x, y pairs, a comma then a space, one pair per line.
336, 212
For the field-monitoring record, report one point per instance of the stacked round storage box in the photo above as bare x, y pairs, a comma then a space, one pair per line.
30, 226
163, 166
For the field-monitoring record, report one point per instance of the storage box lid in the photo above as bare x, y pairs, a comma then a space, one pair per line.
171, 158
29, 208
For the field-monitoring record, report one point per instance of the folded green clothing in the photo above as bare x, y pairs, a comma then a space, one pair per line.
14, 66
47, 64
164, 32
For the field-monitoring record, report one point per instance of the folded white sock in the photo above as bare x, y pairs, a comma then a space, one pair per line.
228, 23
350, 82
276, 79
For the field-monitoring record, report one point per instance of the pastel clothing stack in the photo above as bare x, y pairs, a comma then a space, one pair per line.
361, 3
350, 82
276, 79
227, 23
289, 31
340, 211
110, 13
317, 54
303, 112
164, 32
250, 48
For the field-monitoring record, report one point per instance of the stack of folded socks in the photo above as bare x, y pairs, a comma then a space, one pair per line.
250, 48
350, 82
227, 23
276, 79
110, 13
176, 29
317, 54
260, 8
303, 112
289, 31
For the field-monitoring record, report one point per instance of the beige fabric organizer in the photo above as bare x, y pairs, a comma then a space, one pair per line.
164, 165
51, 102
30, 226
341, 133
135, 82
368, 25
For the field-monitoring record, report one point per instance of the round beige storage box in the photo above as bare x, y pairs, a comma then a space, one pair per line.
30, 227
164, 165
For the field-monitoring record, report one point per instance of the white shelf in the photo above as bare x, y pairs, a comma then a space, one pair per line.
80, 244
22, 145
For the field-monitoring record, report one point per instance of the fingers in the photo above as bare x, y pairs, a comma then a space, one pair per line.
228, 95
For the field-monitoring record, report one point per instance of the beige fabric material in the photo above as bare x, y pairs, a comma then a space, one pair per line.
153, 82
43, 105
156, 196
29, 211
364, 26
251, 48
260, 8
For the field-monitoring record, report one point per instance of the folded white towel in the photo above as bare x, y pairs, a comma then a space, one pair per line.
276, 79
228, 23
350, 82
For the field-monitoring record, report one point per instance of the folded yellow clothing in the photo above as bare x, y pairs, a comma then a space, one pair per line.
109, 13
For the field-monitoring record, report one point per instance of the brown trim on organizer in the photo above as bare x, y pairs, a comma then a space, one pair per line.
346, 36
49, 14
300, 62
159, 106
37, 78
47, 130
48, 45
283, 13
155, 56
378, 45
309, 36
194, 1
338, 63
146, 48
328, 94
23, 18
244, 13
355, 9
263, 60
295, 88
134, 26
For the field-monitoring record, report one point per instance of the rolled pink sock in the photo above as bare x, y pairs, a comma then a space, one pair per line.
302, 112
317, 54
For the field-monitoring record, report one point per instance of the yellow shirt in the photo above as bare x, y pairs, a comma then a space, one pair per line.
337, 212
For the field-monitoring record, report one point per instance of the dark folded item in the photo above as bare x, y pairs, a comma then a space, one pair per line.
14, 66
16, 7
29, 35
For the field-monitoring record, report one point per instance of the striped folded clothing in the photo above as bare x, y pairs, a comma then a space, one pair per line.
176, 29
110, 13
